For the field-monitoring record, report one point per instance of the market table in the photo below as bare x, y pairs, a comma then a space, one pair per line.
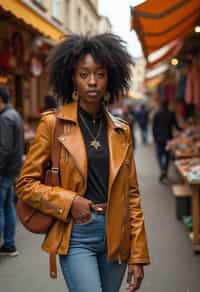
184, 168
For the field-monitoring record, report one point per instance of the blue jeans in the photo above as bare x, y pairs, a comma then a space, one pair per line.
7, 211
144, 135
85, 267
163, 157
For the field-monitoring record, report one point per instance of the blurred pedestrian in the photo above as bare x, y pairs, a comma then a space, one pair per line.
50, 103
100, 224
142, 117
163, 124
129, 118
11, 153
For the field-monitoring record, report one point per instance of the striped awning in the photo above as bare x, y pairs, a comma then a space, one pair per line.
157, 23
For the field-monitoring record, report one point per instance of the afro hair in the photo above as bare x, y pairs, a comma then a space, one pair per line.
108, 50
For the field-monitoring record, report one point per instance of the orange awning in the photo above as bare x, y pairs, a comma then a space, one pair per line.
28, 16
158, 23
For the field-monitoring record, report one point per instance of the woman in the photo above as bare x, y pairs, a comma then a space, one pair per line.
100, 225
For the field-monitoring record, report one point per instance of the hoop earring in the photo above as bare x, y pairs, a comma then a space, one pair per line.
107, 97
75, 96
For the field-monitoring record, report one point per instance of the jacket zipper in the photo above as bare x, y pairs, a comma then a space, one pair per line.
123, 229
80, 172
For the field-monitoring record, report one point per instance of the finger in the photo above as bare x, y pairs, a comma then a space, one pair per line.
129, 287
137, 284
81, 216
129, 277
77, 221
88, 216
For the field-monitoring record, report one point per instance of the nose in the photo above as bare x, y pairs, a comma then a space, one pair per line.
92, 80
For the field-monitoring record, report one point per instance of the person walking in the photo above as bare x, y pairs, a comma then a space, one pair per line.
142, 118
164, 122
11, 154
99, 227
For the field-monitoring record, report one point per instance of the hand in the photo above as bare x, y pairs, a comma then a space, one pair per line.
81, 209
135, 277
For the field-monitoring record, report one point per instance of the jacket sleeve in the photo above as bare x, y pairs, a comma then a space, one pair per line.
138, 248
55, 201
6, 142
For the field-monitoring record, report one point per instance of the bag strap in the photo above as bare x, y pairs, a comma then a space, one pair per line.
55, 180
55, 153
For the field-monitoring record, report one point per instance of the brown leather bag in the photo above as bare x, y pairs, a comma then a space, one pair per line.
32, 219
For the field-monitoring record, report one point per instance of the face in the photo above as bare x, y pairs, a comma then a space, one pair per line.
90, 80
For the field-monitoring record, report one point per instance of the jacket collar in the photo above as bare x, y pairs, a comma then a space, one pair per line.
69, 112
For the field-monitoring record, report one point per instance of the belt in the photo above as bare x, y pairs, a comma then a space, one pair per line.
99, 208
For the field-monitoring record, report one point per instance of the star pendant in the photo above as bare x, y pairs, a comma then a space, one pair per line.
96, 144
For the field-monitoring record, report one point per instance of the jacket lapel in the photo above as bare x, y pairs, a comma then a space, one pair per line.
72, 138
117, 147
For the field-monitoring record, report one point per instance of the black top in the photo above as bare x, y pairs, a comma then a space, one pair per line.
163, 123
98, 159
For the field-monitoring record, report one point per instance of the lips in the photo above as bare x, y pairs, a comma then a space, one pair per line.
92, 92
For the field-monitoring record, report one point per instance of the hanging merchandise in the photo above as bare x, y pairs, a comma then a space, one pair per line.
167, 89
181, 87
36, 67
192, 92
17, 46
8, 60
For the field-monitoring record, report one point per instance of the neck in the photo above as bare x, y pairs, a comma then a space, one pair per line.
91, 108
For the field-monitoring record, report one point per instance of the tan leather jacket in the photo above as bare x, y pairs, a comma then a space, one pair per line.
125, 232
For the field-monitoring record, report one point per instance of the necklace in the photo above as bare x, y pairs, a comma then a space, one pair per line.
94, 142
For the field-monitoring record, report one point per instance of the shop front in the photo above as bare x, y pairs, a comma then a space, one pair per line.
23, 51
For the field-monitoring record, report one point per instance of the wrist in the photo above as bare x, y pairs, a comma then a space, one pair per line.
76, 197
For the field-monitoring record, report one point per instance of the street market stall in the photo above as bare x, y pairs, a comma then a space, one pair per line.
169, 33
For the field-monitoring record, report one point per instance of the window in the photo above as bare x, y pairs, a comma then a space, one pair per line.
56, 9
40, 4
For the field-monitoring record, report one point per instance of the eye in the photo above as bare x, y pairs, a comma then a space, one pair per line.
83, 75
100, 74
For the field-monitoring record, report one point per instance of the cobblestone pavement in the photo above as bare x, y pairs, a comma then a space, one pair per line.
174, 267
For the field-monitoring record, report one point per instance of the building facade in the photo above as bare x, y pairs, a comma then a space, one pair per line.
104, 25
138, 75
81, 16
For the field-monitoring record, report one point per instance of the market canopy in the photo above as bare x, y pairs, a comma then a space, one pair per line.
157, 23
28, 16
